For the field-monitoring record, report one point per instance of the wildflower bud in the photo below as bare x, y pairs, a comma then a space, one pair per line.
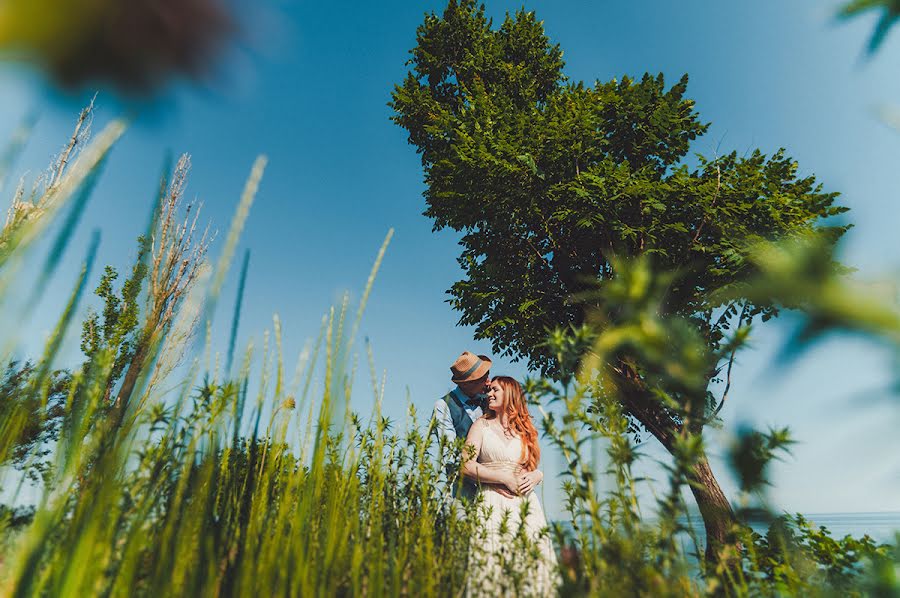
289, 403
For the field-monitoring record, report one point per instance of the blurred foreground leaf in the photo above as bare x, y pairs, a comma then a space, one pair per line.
890, 12
135, 45
803, 274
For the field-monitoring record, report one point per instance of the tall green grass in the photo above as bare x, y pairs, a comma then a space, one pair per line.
194, 493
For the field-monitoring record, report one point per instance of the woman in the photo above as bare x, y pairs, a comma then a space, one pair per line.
505, 462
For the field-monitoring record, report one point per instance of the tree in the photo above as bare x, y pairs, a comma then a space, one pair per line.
116, 328
551, 182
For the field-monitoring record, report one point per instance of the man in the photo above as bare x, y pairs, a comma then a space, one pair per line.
458, 409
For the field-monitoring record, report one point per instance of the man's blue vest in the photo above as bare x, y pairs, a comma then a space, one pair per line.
461, 420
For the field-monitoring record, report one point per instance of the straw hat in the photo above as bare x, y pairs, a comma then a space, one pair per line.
469, 366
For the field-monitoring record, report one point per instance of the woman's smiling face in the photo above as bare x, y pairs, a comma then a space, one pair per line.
496, 397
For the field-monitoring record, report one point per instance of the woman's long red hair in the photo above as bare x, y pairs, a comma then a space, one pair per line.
519, 420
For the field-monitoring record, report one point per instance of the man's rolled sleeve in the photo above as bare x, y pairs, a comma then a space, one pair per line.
444, 421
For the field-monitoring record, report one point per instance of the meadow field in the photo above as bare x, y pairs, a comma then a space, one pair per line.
223, 488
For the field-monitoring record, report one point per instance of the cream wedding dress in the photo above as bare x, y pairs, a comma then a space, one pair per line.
497, 566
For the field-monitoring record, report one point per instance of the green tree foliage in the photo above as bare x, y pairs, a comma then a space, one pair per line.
44, 399
115, 328
551, 181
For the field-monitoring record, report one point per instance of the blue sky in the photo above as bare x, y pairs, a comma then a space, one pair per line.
308, 87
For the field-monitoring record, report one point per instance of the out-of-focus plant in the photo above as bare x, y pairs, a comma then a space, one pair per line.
135, 45
120, 342
673, 361
890, 13
794, 557
609, 547
751, 454
799, 274
606, 547
66, 188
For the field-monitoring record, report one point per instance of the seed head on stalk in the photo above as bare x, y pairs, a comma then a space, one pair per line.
177, 255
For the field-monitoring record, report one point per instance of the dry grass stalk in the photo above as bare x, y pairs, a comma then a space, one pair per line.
178, 339
43, 191
176, 252
79, 138
177, 257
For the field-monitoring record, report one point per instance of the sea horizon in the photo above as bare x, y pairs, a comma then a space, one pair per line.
881, 526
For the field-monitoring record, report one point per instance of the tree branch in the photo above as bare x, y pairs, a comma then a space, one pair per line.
730, 365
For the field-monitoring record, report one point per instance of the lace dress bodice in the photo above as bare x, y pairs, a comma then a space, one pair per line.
499, 450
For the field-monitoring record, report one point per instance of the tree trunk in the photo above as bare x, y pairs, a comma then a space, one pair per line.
718, 517
715, 509
135, 367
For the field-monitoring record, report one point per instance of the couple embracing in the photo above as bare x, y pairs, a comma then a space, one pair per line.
501, 469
